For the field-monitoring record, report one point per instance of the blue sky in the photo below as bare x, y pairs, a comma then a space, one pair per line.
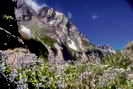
103, 21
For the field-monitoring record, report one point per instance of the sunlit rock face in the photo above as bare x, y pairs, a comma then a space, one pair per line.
25, 32
37, 22
107, 50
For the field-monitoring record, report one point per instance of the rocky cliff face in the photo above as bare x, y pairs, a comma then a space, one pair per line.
52, 29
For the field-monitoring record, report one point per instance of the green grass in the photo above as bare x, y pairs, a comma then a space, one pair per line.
49, 41
118, 60
40, 35
78, 76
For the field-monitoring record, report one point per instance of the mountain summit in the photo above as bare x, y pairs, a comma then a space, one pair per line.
52, 29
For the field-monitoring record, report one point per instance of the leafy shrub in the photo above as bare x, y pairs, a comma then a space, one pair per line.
49, 41
73, 76
117, 60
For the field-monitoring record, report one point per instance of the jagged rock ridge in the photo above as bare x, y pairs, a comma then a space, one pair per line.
48, 24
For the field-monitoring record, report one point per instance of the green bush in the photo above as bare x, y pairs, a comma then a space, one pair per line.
117, 60
74, 76
49, 41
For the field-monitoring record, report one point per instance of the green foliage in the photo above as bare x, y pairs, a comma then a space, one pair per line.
117, 60
7, 17
77, 76
88, 45
47, 40
39, 76
7, 70
120, 82
40, 35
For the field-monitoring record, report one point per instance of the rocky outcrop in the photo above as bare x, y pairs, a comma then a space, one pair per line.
107, 50
49, 33
56, 33
18, 58
52, 29
10, 62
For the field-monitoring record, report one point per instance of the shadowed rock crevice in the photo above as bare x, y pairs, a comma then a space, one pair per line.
67, 53
37, 48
